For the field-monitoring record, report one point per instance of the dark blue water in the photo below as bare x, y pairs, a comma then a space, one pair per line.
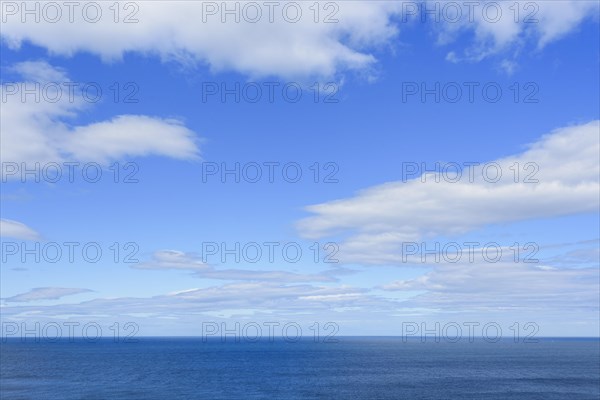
354, 368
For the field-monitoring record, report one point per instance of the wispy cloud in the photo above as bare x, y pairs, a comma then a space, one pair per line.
189, 33
17, 230
171, 259
39, 132
45, 293
377, 220
506, 28
503, 286
249, 298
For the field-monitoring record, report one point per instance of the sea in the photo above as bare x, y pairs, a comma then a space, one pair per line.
352, 368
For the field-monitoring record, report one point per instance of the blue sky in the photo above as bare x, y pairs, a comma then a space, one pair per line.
370, 56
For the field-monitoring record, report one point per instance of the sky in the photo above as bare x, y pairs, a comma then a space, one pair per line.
368, 164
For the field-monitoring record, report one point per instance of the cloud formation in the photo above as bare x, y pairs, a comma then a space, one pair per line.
17, 230
39, 131
171, 259
293, 41
508, 27
283, 40
45, 293
493, 287
240, 298
563, 179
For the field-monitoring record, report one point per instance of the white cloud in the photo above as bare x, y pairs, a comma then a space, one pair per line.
503, 286
39, 71
171, 259
266, 276
271, 298
45, 293
377, 220
17, 230
585, 253
466, 293
518, 23
39, 131
177, 31
557, 18
276, 295
131, 135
